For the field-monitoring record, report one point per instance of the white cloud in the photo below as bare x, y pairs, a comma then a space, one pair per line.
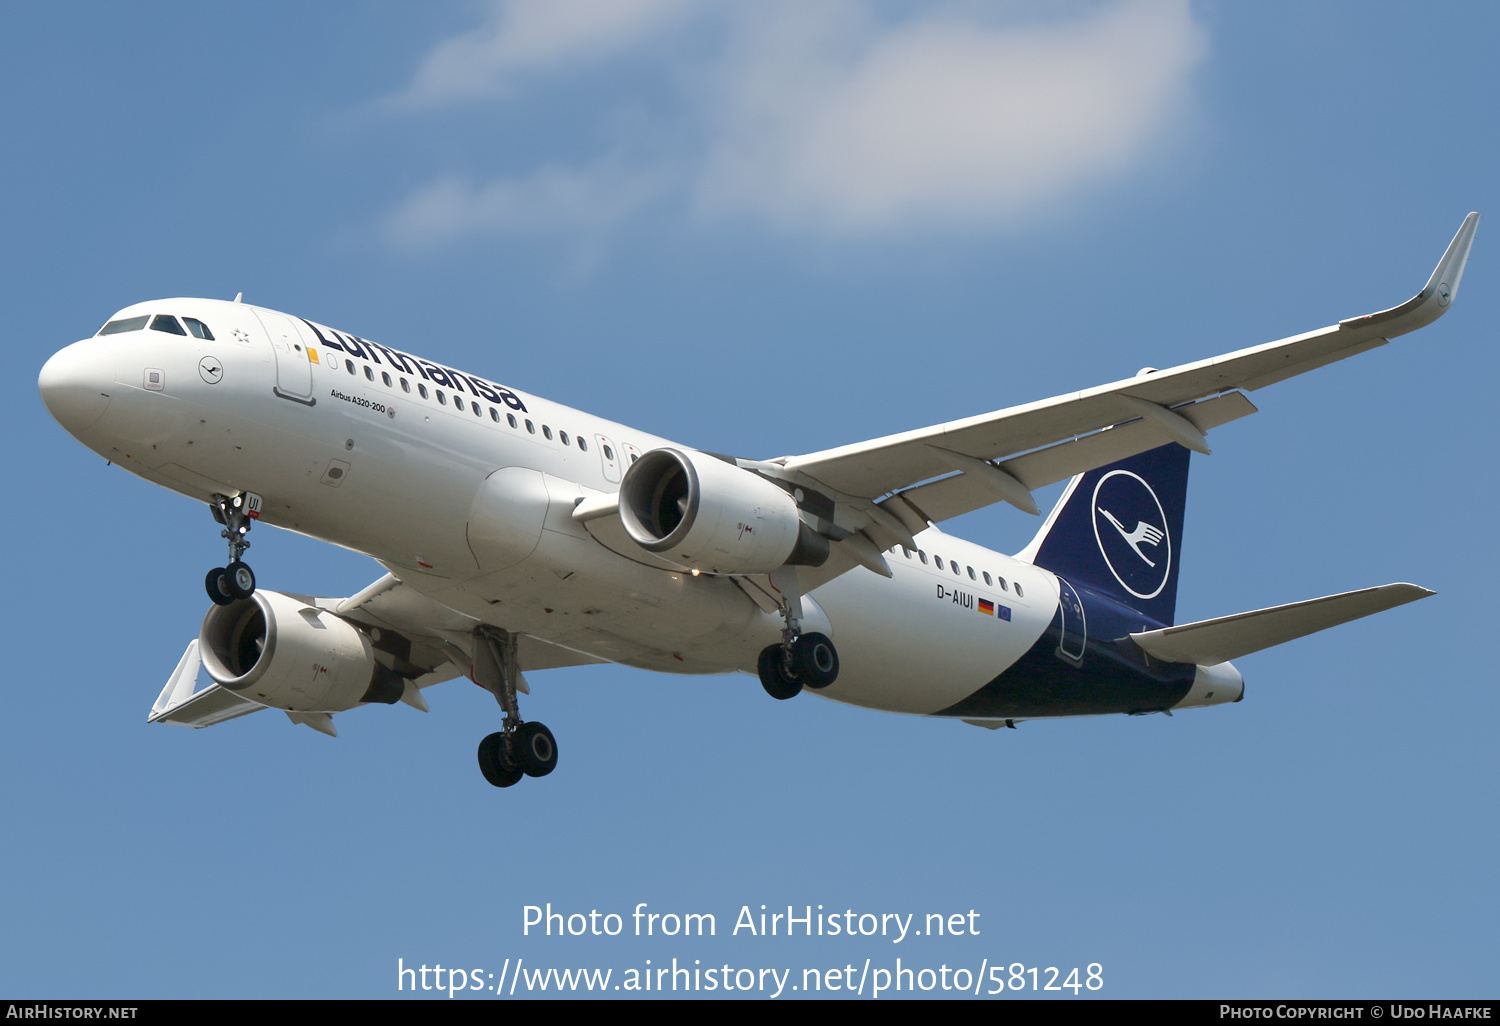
946, 121
554, 199
822, 118
525, 35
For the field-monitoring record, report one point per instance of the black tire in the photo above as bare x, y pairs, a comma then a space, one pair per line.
536, 749
777, 684
492, 762
815, 662
217, 586
239, 579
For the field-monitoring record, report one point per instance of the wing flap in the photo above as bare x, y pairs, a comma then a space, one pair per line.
952, 496
1208, 642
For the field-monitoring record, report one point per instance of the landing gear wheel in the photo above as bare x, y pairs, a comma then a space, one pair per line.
237, 513
217, 586
773, 678
239, 579
536, 750
494, 764
815, 662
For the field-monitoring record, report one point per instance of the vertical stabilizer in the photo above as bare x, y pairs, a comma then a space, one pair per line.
1117, 530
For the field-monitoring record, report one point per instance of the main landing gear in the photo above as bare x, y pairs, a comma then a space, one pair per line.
800, 660
519, 748
225, 584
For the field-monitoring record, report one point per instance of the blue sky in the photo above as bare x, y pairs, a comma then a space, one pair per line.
767, 231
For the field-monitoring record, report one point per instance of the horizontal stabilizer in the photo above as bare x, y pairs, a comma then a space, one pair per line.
1216, 641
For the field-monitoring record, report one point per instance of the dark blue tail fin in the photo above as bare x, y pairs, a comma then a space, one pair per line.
1118, 530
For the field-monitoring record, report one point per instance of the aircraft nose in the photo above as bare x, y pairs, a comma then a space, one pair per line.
76, 384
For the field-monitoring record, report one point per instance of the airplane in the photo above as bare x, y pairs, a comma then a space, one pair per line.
520, 535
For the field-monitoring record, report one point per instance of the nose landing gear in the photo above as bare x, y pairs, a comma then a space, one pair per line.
236, 581
519, 748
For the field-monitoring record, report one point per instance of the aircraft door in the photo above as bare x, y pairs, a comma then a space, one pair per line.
1074, 636
293, 369
609, 456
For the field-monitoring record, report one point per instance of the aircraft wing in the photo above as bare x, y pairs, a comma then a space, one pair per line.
420, 639
438, 634
180, 703
1004, 455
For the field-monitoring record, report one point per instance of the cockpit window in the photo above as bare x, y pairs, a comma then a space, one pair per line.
124, 324
198, 328
167, 323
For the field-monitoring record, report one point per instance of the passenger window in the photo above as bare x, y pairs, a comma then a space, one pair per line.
405, 385
125, 324
422, 390
1019, 591
167, 323
546, 432
386, 378
369, 374
582, 445
971, 574
441, 398
494, 415
953, 565
511, 419
906, 552
531, 427
1003, 585
477, 411
922, 556
349, 366
937, 561
562, 436
458, 403
198, 328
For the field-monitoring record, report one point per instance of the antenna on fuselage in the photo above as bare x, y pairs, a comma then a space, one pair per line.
238, 296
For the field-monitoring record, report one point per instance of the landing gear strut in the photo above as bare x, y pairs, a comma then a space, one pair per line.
519, 748
801, 660
225, 584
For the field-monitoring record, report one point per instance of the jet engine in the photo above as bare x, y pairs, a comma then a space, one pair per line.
708, 514
285, 653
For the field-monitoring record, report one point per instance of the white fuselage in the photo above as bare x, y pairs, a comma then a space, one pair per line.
466, 494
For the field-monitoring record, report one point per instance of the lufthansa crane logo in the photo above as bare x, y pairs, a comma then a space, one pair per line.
1131, 529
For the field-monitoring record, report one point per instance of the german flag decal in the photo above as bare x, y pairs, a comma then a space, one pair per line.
987, 607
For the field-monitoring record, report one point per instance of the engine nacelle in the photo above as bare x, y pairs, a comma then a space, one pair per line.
282, 652
707, 514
